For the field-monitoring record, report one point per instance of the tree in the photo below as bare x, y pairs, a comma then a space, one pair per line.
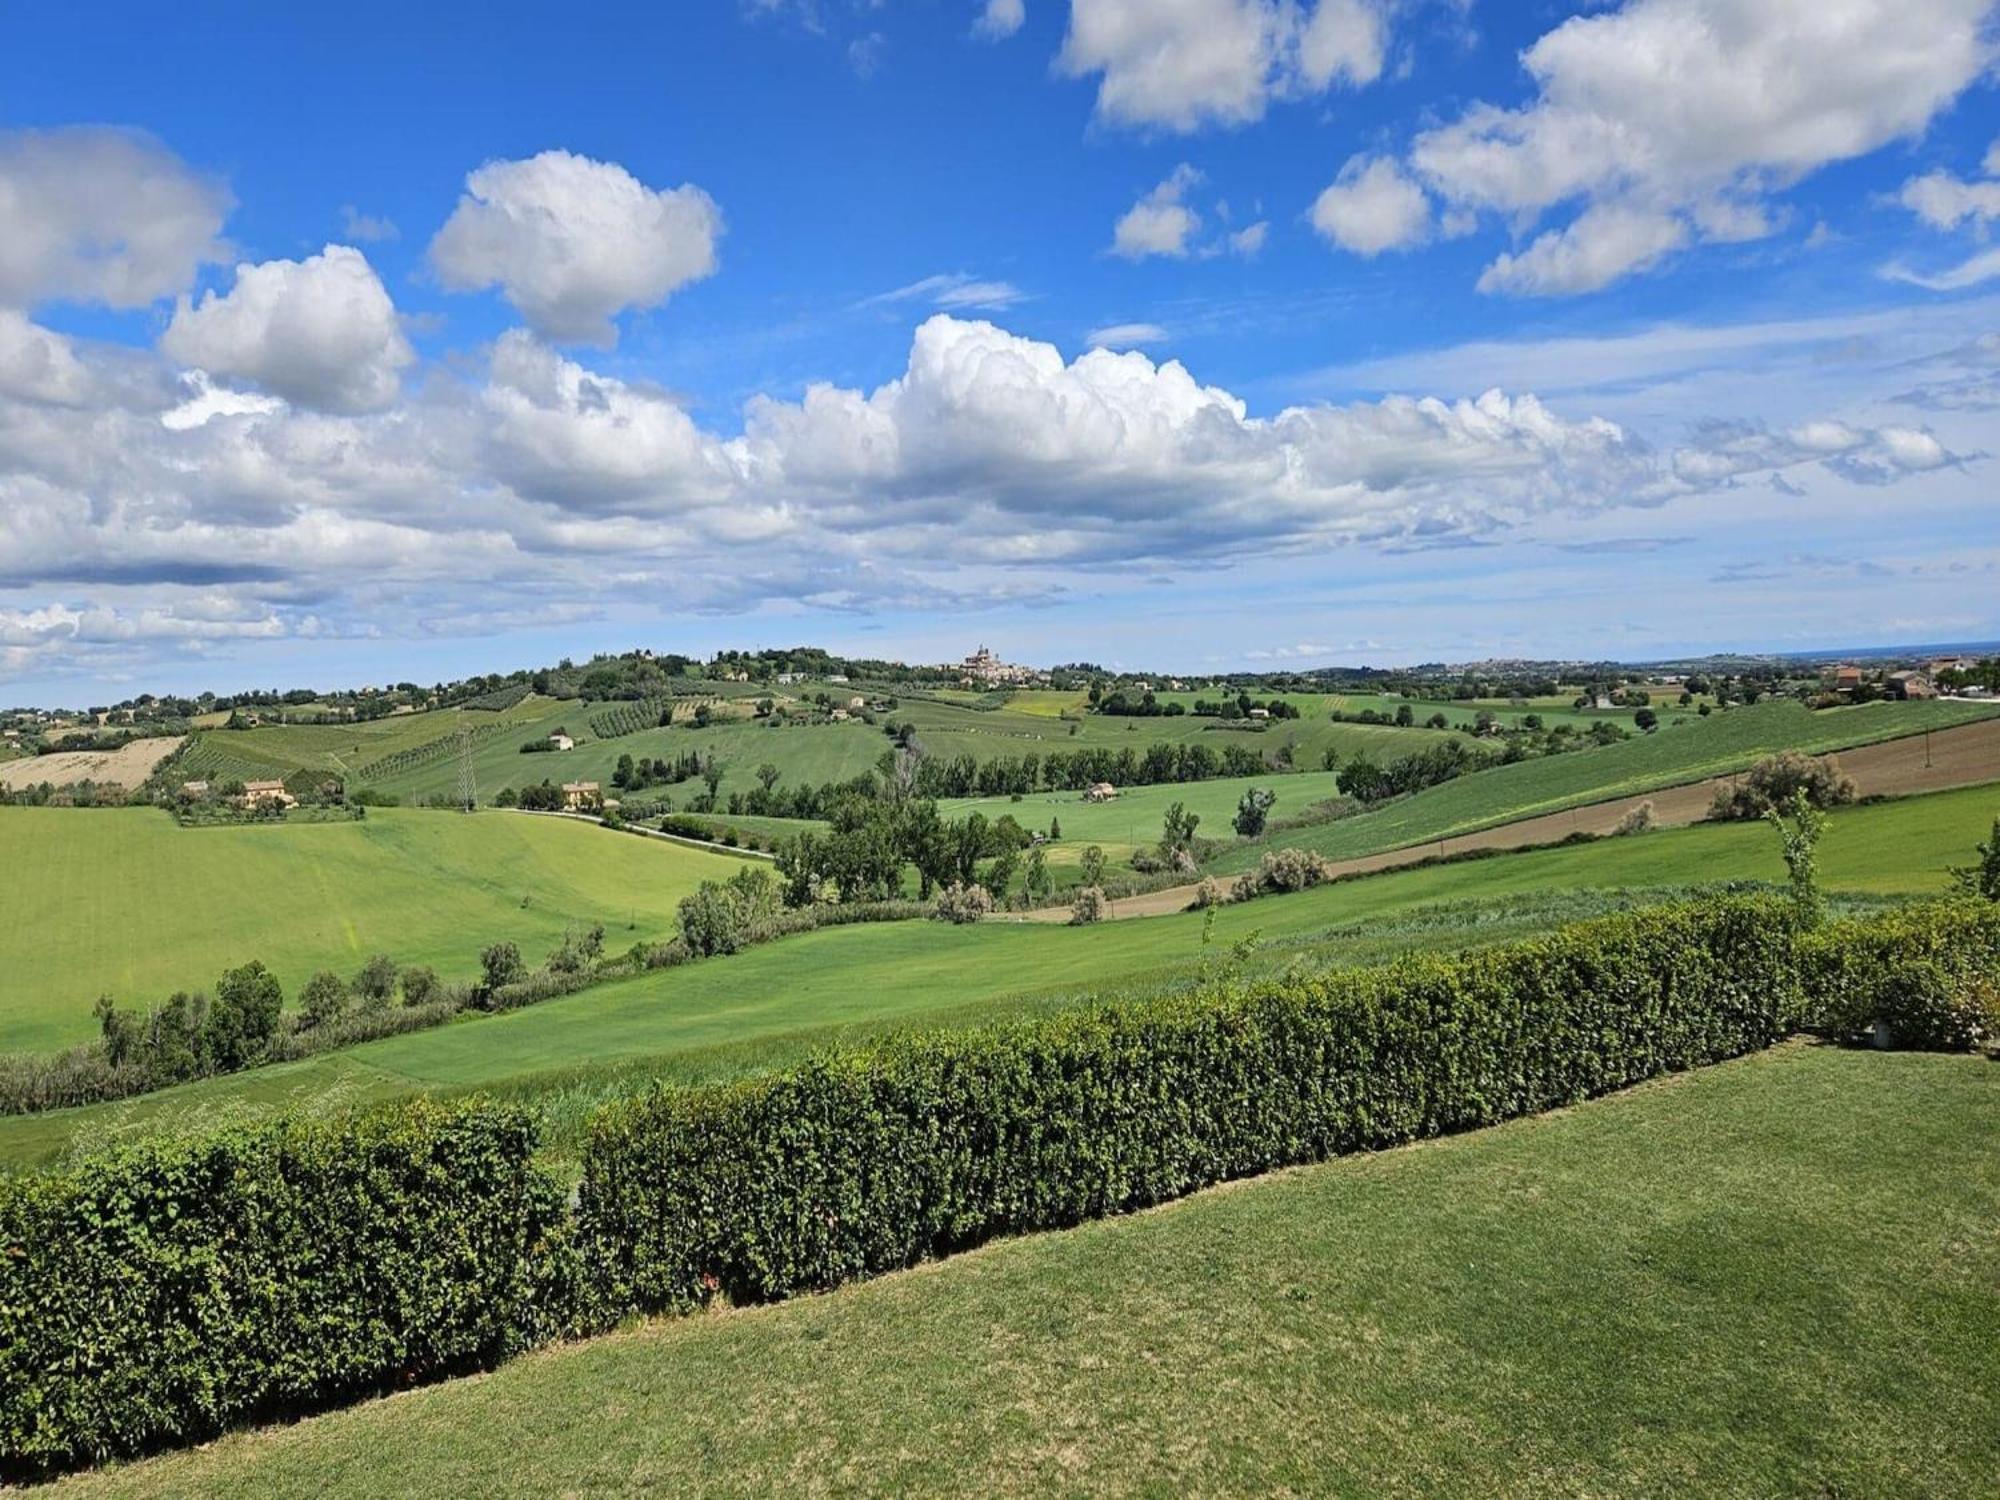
711, 923
1982, 878
1799, 827
1088, 906
767, 775
243, 1018
323, 999
376, 983
1252, 811
1177, 831
711, 773
1055, 830
500, 964
1405, 716
1647, 720
1091, 865
420, 984
1035, 879
1776, 779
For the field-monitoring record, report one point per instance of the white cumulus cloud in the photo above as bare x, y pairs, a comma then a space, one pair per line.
999, 19
1160, 223
1372, 206
573, 242
92, 214
320, 332
1182, 64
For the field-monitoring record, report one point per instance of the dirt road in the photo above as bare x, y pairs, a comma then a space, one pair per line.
1945, 758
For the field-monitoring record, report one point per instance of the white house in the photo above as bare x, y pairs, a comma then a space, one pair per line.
562, 741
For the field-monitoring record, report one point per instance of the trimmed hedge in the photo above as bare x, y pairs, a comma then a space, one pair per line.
857, 1164
1929, 975
164, 1292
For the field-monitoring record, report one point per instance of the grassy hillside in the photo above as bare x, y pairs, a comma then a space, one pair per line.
1699, 748
1772, 1277
773, 1003
1135, 817
126, 902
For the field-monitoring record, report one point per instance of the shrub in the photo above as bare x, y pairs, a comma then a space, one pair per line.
1926, 974
711, 924
323, 998
1776, 780
1638, 820
500, 964
420, 984
163, 1292
1285, 870
1255, 807
1087, 906
243, 1016
857, 1164
375, 985
962, 903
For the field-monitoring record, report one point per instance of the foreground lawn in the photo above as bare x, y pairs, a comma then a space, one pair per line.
124, 901
1775, 1277
772, 1004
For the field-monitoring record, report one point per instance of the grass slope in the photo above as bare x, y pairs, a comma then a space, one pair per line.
1773, 1277
1678, 753
1134, 819
773, 1003
125, 902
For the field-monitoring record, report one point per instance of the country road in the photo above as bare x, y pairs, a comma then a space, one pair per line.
1961, 756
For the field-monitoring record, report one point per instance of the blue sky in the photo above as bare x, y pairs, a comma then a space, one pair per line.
410, 341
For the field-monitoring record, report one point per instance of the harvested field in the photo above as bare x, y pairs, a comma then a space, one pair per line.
126, 766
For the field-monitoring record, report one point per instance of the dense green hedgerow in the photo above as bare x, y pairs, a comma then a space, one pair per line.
1929, 976
861, 1163
164, 1292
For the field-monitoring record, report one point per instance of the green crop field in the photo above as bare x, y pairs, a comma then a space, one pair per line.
126, 902
1134, 819
773, 1003
1771, 1277
1700, 748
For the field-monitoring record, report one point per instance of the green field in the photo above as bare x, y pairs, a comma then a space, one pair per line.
1700, 748
773, 1003
1773, 1277
126, 902
1134, 819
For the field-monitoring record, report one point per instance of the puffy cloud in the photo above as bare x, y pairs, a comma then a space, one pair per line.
1879, 455
1694, 112
1601, 245
320, 332
573, 242
1160, 223
1248, 241
1371, 207
100, 215
1182, 64
1944, 201
226, 515
1000, 19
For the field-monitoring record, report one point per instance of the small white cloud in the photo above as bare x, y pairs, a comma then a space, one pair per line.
1944, 201
999, 19
1248, 241
1601, 245
1371, 207
956, 290
320, 332
366, 229
573, 242
1159, 223
1125, 335
864, 54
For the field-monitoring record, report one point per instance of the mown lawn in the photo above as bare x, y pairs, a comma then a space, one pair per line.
1776, 1277
125, 902
1135, 817
771, 1004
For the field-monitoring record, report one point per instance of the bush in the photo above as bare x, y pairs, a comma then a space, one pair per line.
1774, 782
1638, 820
500, 964
375, 985
1282, 870
323, 999
1928, 976
862, 1163
162, 1293
420, 984
962, 903
1087, 906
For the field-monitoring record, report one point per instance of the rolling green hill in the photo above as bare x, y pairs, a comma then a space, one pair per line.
126, 902
772, 1003
1677, 753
